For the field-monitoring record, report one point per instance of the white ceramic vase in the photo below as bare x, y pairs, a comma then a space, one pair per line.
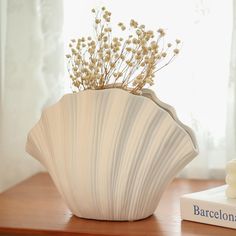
111, 154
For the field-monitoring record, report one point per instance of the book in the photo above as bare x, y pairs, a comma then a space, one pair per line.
210, 207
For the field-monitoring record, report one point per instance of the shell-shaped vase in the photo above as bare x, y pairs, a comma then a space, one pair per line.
110, 153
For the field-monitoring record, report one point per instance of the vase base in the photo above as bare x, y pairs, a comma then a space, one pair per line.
114, 219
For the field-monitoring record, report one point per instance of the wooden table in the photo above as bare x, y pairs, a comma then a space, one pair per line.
34, 207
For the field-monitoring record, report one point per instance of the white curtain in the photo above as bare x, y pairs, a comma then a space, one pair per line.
31, 77
200, 83
212, 89
231, 109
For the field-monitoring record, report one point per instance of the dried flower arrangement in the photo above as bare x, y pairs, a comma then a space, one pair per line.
128, 63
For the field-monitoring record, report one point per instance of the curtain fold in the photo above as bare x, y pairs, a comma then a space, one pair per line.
3, 24
31, 78
231, 109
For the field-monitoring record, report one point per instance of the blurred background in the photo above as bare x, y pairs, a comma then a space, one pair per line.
200, 83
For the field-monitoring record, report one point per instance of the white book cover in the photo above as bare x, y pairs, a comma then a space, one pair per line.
210, 207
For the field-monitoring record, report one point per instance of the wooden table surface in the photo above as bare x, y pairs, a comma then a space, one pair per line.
34, 207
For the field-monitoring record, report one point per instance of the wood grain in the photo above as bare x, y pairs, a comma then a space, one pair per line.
35, 207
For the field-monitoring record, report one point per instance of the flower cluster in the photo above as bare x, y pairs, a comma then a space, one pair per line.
126, 62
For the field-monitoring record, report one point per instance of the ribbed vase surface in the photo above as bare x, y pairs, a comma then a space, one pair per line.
111, 154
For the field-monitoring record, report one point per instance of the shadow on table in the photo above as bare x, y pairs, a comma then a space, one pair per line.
149, 226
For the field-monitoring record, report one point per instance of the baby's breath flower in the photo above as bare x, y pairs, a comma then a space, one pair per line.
122, 57
177, 41
105, 38
73, 51
133, 23
138, 32
161, 32
176, 50
97, 21
143, 64
130, 62
112, 65
164, 54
